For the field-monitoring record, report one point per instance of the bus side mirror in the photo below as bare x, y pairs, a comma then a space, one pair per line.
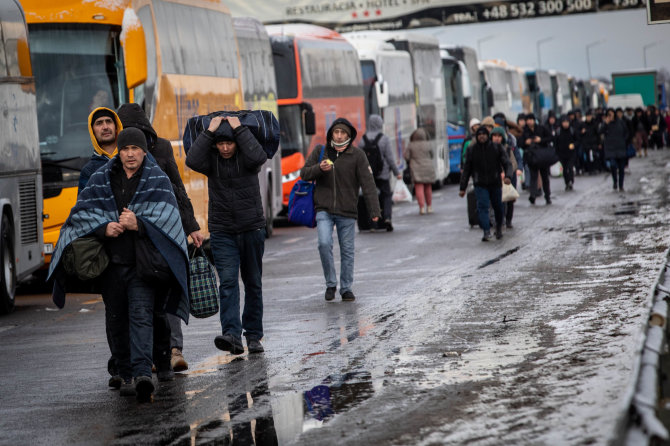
134, 49
382, 90
489, 96
309, 119
23, 53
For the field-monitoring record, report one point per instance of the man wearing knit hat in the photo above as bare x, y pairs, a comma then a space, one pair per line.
340, 169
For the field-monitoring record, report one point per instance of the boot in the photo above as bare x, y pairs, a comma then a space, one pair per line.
178, 362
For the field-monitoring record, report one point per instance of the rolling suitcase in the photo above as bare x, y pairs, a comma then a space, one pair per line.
473, 218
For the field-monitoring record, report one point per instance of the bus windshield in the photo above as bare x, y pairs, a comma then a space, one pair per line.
283, 56
454, 90
77, 68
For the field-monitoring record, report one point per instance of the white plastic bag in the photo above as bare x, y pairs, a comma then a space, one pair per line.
509, 193
401, 192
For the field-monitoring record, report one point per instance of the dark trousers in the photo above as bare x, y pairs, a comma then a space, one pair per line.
618, 166
489, 196
544, 173
568, 163
385, 198
235, 255
129, 316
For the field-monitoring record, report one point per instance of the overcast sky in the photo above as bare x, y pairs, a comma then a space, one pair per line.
624, 34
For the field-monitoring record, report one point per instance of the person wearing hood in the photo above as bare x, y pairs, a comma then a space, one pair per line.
229, 155
132, 115
615, 134
536, 136
419, 155
339, 169
374, 133
589, 140
487, 163
104, 127
499, 136
565, 143
474, 125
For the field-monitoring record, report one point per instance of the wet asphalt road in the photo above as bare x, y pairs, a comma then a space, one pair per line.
527, 340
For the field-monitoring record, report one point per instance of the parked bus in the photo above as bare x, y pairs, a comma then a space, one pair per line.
539, 85
561, 94
497, 79
78, 62
521, 94
389, 90
260, 93
318, 80
457, 88
20, 172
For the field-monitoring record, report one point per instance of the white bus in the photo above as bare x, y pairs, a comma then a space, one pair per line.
20, 169
260, 93
389, 90
562, 95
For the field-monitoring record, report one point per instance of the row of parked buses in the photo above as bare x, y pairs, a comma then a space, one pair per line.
181, 58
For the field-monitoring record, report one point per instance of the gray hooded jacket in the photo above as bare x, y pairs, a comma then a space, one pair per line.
375, 127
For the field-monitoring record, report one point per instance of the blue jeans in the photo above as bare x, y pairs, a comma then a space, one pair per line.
489, 196
129, 314
235, 255
345, 236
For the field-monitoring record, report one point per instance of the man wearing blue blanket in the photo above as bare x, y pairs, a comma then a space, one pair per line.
231, 157
129, 205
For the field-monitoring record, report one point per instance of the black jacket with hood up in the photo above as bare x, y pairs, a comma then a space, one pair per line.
132, 115
235, 204
336, 191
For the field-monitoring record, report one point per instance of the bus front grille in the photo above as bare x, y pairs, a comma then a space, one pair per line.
28, 204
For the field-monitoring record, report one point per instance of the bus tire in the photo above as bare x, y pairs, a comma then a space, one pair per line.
7, 268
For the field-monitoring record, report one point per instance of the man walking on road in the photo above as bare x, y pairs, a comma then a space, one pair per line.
536, 137
342, 171
377, 147
128, 204
485, 162
231, 157
132, 115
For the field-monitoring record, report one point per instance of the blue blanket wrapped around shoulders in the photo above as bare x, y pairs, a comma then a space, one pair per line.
154, 204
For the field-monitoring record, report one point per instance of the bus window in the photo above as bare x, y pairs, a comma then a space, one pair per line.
76, 70
454, 91
283, 55
329, 69
369, 79
144, 94
3, 64
209, 50
292, 139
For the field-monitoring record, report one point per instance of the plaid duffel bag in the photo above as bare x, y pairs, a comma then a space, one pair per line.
203, 289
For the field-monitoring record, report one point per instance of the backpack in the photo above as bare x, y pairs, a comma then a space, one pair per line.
374, 154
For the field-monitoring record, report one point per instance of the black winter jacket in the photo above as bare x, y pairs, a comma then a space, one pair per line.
235, 203
565, 137
588, 134
336, 191
485, 163
132, 115
616, 135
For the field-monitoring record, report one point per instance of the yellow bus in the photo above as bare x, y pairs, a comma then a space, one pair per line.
176, 58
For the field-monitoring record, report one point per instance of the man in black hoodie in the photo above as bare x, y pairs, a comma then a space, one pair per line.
485, 162
535, 137
565, 143
132, 115
340, 169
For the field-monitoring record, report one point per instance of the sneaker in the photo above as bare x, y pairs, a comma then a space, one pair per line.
330, 293
254, 346
389, 226
487, 236
422, 210
348, 296
430, 209
548, 200
144, 387
178, 362
229, 343
115, 382
508, 225
499, 234
531, 199
127, 388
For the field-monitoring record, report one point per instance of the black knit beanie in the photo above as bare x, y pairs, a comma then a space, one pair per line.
103, 112
131, 136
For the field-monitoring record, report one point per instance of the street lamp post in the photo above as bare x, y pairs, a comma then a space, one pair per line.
644, 50
479, 44
537, 45
588, 54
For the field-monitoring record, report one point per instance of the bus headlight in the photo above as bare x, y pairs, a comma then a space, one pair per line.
292, 176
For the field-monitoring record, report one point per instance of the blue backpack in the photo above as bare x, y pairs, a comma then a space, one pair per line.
301, 201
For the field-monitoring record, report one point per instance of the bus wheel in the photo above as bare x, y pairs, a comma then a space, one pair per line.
7, 269
269, 218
